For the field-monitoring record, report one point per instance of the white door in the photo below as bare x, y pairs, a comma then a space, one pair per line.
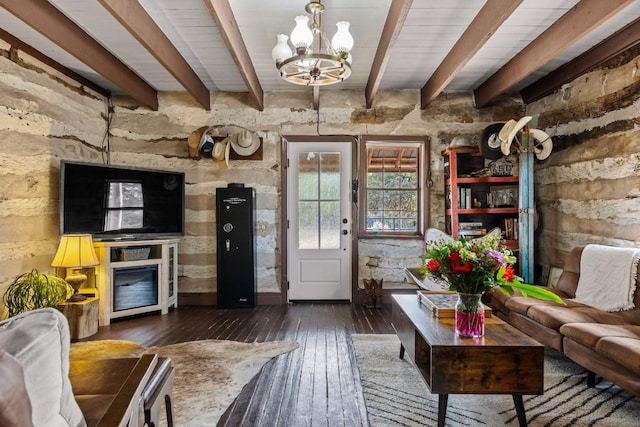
319, 221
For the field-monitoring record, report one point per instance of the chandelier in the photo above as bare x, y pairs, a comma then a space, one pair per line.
309, 68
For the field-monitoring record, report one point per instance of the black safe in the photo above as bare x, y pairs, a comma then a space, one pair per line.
236, 246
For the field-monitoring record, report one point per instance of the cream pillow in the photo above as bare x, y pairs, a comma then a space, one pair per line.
40, 341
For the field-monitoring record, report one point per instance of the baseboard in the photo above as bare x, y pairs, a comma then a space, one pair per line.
211, 298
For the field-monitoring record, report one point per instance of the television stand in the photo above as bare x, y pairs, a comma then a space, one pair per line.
134, 277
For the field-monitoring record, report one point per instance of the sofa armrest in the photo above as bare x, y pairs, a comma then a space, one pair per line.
109, 391
123, 411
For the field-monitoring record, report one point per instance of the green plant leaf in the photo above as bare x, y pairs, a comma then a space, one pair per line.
532, 291
33, 290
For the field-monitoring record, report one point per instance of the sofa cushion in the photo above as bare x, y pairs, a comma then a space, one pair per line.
620, 343
623, 350
568, 280
588, 334
15, 406
554, 316
40, 341
521, 304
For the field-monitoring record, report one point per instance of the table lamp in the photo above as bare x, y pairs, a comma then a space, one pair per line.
75, 251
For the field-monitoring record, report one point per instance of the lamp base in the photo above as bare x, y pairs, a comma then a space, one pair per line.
76, 279
77, 297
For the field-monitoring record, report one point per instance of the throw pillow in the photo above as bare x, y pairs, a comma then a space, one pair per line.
40, 341
15, 406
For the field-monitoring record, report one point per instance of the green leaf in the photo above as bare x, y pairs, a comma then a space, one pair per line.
536, 292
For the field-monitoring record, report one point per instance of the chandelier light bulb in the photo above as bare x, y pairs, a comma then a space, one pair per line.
301, 36
342, 41
281, 50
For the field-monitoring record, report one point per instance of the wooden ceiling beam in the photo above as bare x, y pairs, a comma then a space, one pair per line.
576, 23
31, 51
614, 45
43, 17
393, 25
222, 15
137, 21
479, 31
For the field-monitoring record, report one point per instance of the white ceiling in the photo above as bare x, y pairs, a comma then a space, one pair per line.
430, 30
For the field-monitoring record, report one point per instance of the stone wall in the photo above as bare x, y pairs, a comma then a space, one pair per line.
44, 116
588, 190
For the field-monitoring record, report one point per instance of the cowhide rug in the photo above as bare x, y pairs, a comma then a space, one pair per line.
209, 374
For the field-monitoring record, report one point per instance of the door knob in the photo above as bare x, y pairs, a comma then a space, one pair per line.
345, 220
345, 232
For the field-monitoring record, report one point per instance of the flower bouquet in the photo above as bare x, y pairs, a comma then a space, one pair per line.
471, 267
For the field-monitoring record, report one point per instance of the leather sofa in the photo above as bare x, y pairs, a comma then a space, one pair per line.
41, 386
607, 344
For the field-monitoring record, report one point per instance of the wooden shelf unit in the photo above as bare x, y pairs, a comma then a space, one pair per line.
459, 164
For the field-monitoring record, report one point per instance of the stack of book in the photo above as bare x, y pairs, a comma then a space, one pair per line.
464, 198
471, 229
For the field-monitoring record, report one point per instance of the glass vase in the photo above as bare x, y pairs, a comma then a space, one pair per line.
469, 315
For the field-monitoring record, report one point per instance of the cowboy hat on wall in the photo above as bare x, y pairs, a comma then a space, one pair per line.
221, 150
245, 142
194, 141
541, 141
490, 143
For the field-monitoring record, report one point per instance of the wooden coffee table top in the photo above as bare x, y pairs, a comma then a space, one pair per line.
441, 332
504, 361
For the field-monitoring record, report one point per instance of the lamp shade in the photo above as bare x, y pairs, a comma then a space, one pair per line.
301, 36
342, 41
281, 50
75, 251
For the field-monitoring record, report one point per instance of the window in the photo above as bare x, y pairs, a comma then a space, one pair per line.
392, 182
125, 205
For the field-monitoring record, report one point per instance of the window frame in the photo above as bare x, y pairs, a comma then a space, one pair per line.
422, 144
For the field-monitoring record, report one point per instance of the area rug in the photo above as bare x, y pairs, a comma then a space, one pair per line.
209, 374
395, 395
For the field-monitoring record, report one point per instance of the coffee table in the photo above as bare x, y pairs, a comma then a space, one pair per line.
504, 361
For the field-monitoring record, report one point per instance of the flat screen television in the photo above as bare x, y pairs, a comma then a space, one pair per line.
116, 202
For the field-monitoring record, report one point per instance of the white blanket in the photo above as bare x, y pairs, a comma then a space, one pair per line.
608, 277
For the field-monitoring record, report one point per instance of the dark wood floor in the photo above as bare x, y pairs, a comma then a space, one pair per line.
315, 385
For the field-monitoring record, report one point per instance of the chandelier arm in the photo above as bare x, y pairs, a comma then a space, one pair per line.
299, 73
332, 68
327, 44
333, 76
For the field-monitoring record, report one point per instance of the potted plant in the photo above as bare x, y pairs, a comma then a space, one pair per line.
33, 290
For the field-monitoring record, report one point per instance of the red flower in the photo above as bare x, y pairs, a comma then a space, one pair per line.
433, 265
457, 265
508, 273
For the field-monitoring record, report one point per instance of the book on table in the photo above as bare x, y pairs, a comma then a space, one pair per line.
442, 303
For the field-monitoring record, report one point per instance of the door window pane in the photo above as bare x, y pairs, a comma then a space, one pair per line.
308, 176
319, 223
330, 225
308, 226
330, 176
